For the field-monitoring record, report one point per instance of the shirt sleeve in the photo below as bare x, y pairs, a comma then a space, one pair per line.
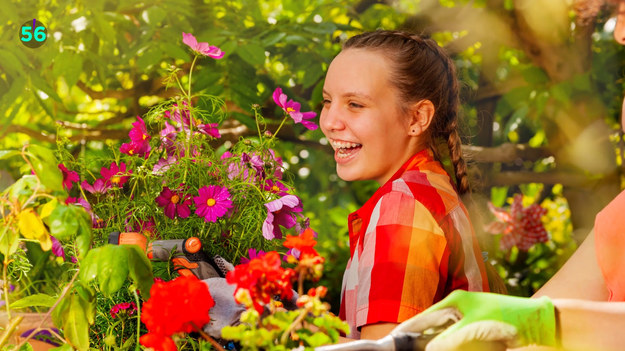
398, 272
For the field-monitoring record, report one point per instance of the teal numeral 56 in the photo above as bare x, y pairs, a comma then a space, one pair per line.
39, 34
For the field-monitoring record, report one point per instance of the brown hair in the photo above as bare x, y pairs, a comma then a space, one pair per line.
422, 70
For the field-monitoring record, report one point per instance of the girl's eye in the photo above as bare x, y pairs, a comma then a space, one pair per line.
355, 105
325, 102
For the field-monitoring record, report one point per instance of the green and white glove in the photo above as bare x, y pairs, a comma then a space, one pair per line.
486, 317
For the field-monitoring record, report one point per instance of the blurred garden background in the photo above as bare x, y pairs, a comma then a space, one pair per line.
541, 90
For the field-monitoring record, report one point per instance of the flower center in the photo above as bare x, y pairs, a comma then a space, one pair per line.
144, 136
211, 202
290, 109
116, 180
275, 188
174, 199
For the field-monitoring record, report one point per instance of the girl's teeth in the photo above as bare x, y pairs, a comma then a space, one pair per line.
344, 145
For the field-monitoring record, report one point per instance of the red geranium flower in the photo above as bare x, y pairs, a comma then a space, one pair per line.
263, 277
177, 306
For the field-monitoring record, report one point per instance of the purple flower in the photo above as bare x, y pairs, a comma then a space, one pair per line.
168, 137
252, 253
69, 177
292, 108
128, 308
201, 48
275, 187
139, 140
280, 212
213, 202
164, 164
57, 248
98, 187
175, 203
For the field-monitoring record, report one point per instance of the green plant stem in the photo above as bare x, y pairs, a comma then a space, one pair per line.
134, 292
10, 330
297, 321
5, 283
300, 284
208, 338
277, 130
190, 75
43, 320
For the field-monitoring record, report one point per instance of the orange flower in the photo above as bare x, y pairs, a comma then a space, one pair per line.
304, 242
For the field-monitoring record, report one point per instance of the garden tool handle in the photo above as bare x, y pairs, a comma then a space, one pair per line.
397, 342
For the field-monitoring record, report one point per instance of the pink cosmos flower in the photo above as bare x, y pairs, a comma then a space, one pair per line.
99, 186
213, 202
252, 254
139, 140
201, 48
69, 177
210, 129
115, 175
275, 187
168, 137
175, 203
280, 212
293, 109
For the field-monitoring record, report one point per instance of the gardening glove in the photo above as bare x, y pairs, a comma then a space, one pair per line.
487, 317
226, 310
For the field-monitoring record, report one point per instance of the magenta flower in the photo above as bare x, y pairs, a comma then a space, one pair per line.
213, 202
276, 187
69, 177
292, 108
57, 248
175, 203
252, 253
210, 129
139, 140
99, 186
164, 164
201, 48
280, 212
115, 175
128, 308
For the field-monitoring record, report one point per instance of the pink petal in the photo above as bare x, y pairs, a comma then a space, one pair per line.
190, 40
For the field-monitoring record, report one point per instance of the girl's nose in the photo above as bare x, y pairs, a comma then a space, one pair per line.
330, 119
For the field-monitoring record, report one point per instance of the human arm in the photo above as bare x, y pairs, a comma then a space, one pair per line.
581, 267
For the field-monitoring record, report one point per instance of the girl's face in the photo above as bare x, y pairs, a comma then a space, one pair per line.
362, 119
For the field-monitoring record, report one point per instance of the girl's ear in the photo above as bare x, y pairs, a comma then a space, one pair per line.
421, 115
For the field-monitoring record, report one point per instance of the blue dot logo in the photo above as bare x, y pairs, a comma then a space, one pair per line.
33, 34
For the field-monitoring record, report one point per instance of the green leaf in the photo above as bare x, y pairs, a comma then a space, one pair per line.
8, 153
36, 300
273, 38
46, 167
40, 84
498, 195
76, 324
535, 75
69, 66
64, 347
153, 15
9, 241
89, 266
112, 268
11, 63
174, 51
252, 53
140, 269
149, 58
63, 221
103, 27
312, 75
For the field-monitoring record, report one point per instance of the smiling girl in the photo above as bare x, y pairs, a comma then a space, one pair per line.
389, 99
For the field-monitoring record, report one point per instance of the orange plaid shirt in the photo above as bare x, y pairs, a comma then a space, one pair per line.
411, 244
